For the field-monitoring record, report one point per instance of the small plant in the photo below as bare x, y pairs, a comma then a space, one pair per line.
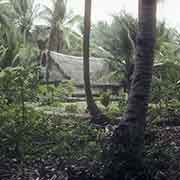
49, 94
71, 108
105, 98
65, 89
113, 110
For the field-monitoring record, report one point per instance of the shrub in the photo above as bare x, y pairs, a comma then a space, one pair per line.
105, 98
113, 110
49, 94
37, 136
71, 108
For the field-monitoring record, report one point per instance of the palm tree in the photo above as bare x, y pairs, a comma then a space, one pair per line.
10, 40
128, 138
61, 23
3, 13
123, 47
56, 34
167, 45
22, 14
97, 116
61, 28
118, 38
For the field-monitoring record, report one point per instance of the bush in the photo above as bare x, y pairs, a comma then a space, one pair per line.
19, 83
18, 129
50, 94
165, 95
37, 136
105, 98
113, 110
28, 134
71, 108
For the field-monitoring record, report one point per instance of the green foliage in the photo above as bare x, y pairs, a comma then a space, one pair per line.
22, 14
18, 84
76, 138
17, 131
15, 37
13, 51
46, 94
167, 44
27, 56
165, 88
38, 136
49, 94
62, 24
28, 134
123, 100
10, 42
105, 98
71, 108
113, 110
118, 40
66, 88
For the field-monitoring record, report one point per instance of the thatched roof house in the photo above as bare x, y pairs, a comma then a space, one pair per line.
64, 67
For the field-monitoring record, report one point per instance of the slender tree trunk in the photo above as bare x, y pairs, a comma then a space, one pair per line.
56, 37
91, 105
128, 138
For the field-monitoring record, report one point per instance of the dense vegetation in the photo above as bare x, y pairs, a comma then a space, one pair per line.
44, 135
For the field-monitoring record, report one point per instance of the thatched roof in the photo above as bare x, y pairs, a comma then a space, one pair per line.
65, 67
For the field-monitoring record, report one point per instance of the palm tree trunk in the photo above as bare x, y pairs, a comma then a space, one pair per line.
56, 37
55, 42
129, 136
91, 105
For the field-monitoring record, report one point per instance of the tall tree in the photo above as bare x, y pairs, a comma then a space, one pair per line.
128, 138
97, 115
61, 23
55, 41
23, 13
16, 22
118, 38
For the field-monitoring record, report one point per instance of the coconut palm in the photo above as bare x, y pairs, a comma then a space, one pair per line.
167, 44
128, 138
123, 47
61, 23
118, 39
16, 23
22, 13
10, 40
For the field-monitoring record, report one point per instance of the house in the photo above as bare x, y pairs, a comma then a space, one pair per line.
63, 67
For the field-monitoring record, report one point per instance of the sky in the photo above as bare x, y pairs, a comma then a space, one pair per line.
103, 9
